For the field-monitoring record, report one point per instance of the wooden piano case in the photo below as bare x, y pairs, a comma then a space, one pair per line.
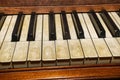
98, 71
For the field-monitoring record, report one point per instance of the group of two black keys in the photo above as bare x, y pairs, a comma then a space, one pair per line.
65, 28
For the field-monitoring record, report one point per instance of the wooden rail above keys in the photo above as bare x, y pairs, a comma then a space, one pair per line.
16, 3
58, 9
44, 6
100, 71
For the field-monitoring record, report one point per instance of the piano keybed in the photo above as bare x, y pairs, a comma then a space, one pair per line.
59, 39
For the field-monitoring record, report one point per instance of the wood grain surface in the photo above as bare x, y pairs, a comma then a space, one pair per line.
100, 71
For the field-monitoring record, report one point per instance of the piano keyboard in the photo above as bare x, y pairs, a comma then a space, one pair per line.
59, 39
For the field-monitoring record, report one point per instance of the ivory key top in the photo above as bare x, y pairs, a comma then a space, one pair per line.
71, 27
4, 29
48, 53
34, 54
76, 52
89, 26
58, 27
6, 54
39, 26
90, 53
45, 28
83, 24
114, 47
118, 39
10, 29
116, 18
25, 28
103, 51
62, 52
108, 34
20, 55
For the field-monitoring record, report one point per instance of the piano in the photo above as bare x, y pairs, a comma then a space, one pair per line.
59, 39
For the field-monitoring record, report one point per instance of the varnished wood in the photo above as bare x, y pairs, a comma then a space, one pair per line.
63, 72
14, 3
57, 9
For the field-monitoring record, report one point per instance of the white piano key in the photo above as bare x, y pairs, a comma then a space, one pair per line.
108, 34
104, 55
71, 27
59, 35
8, 36
86, 33
112, 43
34, 54
62, 52
4, 29
116, 19
90, 26
90, 53
25, 28
48, 53
103, 52
114, 47
76, 53
118, 39
6, 54
20, 55
45, 28
39, 26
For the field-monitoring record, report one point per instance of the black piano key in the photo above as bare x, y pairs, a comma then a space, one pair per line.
52, 29
118, 12
64, 23
1, 15
97, 25
2, 19
110, 24
18, 27
32, 27
77, 25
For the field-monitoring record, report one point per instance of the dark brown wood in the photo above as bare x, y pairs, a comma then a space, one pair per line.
62, 72
57, 9
54, 2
